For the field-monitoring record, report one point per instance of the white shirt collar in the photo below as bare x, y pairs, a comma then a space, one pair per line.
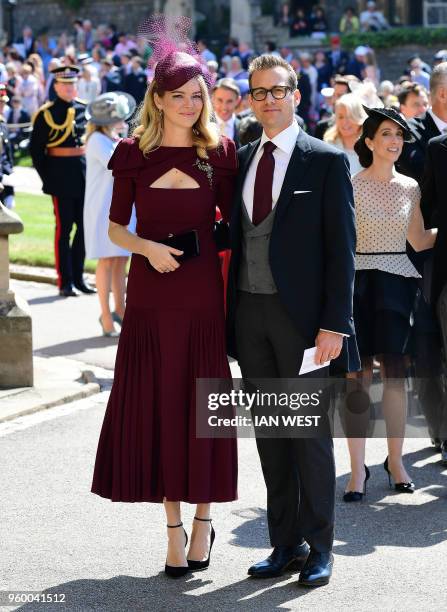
229, 122
285, 140
440, 124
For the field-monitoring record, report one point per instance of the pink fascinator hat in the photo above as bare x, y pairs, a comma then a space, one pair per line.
178, 58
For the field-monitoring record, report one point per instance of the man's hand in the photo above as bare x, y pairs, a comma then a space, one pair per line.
328, 345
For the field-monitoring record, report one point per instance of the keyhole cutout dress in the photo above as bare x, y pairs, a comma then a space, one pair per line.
173, 332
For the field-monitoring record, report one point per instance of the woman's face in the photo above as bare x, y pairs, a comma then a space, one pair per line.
346, 126
182, 107
387, 142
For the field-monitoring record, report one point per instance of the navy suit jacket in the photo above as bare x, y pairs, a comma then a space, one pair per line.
412, 160
434, 208
312, 246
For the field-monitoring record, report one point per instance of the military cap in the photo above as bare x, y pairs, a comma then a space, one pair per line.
66, 74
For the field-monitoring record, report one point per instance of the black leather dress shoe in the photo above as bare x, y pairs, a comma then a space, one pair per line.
68, 291
317, 570
283, 558
85, 287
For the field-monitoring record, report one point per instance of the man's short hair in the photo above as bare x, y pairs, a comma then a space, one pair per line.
407, 89
229, 84
438, 77
266, 62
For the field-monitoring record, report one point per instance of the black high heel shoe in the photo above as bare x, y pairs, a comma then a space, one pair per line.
355, 496
200, 565
177, 571
402, 487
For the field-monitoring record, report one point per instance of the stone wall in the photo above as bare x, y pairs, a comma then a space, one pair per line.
39, 14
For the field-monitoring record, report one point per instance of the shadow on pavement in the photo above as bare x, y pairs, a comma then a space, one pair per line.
74, 347
162, 593
374, 522
383, 518
46, 299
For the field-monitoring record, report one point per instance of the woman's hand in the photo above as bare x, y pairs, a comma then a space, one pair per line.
160, 256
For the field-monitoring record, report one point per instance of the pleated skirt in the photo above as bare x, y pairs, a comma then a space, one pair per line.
148, 449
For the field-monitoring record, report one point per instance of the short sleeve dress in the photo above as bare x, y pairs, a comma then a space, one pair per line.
173, 332
386, 288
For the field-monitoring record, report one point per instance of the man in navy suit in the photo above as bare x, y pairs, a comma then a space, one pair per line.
290, 288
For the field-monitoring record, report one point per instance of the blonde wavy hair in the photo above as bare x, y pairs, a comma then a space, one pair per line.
91, 128
353, 105
149, 130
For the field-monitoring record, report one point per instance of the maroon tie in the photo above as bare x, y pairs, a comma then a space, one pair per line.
262, 195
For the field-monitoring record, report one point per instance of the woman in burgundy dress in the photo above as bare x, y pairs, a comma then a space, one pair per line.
176, 170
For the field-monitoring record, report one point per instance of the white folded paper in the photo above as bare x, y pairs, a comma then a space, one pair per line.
309, 364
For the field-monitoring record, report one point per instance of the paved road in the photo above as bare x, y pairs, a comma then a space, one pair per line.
66, 326
58, 537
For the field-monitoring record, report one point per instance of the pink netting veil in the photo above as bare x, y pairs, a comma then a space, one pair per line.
178, 58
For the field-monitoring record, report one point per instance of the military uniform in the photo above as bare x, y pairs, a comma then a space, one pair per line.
58, 155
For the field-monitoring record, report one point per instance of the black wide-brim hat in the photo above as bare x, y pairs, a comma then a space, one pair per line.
392, 115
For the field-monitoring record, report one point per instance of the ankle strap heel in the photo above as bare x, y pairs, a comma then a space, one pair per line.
201, 565
177, 571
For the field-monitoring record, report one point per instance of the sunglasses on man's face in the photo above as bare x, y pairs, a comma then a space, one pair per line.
278, 92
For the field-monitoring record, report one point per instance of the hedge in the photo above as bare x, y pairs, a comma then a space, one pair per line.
395, 37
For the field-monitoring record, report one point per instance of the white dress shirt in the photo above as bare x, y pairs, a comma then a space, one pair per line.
227, 127
285, 143
440, 124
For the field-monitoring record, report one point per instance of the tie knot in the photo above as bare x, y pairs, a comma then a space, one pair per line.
269, 146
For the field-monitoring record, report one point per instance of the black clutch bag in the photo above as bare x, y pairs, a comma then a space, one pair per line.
187, 242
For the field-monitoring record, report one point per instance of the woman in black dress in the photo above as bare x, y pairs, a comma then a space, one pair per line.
387, 215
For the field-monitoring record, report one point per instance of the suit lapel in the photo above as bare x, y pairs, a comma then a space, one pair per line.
251, 150
295, 171
431, 127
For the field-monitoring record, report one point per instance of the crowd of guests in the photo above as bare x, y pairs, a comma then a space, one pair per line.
314, 23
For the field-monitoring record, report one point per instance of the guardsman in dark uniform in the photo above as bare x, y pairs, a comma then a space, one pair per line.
59, 157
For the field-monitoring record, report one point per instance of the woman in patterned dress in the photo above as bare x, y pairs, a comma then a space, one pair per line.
387, 215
